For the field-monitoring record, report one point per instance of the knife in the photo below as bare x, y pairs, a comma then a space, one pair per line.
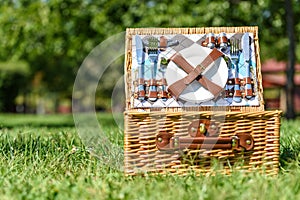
235, 56
246, 55
141, 61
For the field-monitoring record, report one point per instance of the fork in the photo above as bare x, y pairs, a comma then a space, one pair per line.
234, 54
153, 57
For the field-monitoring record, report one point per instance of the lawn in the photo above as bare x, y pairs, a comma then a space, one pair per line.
42, 157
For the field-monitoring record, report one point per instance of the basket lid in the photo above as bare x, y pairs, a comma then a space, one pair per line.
178, 68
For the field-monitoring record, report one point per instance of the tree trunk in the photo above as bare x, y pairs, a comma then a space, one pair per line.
290, 70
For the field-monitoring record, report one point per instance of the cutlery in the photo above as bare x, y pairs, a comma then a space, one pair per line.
163, 44
222, 41
163, 66
153, 45
246, 55
141, 61
210, 41
234, 54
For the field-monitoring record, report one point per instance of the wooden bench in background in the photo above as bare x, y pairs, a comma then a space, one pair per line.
274, 83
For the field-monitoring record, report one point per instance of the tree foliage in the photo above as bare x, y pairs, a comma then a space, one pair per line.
54, 36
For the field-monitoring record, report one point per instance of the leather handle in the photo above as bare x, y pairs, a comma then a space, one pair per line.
238, 142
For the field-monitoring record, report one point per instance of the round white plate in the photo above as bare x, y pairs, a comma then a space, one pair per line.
217, 72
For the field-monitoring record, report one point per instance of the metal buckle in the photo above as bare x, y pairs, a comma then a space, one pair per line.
201, 67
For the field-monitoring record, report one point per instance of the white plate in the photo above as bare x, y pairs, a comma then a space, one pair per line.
217, 72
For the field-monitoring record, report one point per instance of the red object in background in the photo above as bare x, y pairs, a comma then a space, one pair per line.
272, 65
274, 76
278, 80
64, 109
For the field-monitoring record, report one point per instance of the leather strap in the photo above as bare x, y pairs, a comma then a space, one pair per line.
141, 89
163, 43
194, 74
141, 81
152, 82
237, 91
163, 93
152, 92
248, 93
238, 142
229, 92
247, 84
230, 81
247, 80
248, 87
141, 94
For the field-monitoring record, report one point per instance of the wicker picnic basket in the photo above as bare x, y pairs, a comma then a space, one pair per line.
181, 133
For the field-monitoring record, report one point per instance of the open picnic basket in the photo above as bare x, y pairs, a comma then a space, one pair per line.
194, 96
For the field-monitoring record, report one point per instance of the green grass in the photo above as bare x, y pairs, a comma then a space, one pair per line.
42, 157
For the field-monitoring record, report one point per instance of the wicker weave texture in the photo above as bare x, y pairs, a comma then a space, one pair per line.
142, 125
142, 155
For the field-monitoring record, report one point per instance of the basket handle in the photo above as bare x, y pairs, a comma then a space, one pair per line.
238, 142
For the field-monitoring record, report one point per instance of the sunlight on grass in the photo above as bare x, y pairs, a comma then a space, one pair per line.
38, 161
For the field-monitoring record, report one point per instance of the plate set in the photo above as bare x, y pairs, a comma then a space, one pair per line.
159, 61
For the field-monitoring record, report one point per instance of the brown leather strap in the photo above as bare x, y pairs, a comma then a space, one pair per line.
230, 81
237, 92
205, 143
141, 94
141, 81
238, 142
152, 94
194, 74
248, 92
237, 81
163, 93
248, 87
163, 43
152, 82
247, 80
246, 141
141, 91
229, 92
198, 143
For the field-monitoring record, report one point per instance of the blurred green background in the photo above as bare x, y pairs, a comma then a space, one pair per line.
43, 42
